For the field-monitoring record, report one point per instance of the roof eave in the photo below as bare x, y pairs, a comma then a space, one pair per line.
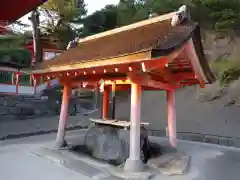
97, 63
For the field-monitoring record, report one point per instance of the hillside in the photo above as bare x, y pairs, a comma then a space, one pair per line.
192, 115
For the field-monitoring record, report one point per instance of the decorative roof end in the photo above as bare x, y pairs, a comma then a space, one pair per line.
181, 15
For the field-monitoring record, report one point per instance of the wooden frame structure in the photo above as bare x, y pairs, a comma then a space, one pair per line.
162, 53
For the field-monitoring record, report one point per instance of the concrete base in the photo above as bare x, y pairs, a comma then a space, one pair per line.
120, 173
171, 163
61, 144
133, 165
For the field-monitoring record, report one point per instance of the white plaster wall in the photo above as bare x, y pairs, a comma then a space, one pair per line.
5, 88
25, 90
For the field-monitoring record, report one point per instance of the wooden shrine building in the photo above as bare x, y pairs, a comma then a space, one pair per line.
161, 53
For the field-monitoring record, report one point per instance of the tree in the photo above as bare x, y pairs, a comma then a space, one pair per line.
223, 15
130, 11
164, 6
102, 20
61, 14
38, 53
68, 10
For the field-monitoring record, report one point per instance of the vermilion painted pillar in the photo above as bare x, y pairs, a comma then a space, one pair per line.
13, 78
113, 101
17, 82
105, 108
41, 80
96, 97
60, 141
34, 84
134, 163
172, 134
30, 80
48, 83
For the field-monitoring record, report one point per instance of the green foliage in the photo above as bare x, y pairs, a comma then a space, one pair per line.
68, 10
20, 57
5, 77
100, 21
19, 53
223, 15
130, 11
229, 75
62, 34
226, 71
165, 6
221, 65
11, 41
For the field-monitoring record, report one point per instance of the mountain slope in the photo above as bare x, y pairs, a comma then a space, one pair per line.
192, 115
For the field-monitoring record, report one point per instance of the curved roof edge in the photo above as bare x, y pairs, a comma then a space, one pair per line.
196, 37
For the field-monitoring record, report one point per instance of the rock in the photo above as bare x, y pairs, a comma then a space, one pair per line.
112, 144
171, 163
24, 110
211, 139
232, 96
191, 137
210, 92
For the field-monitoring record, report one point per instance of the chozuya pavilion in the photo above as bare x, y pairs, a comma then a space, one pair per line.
161, 53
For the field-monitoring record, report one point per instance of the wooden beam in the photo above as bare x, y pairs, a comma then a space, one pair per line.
146, 80
154, 64
164, 71
160, 85
118, 82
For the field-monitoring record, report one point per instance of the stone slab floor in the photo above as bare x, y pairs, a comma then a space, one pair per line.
18, 161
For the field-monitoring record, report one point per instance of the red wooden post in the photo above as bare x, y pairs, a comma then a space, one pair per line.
48, 83
34, 84
17, 81
172, 134
60, 141
41, 80
113, 100
105, 109
13, 78
134, 163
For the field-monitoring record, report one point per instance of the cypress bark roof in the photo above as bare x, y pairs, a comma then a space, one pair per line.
156, 36
159, 36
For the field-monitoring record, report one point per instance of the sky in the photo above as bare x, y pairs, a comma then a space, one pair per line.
94, 5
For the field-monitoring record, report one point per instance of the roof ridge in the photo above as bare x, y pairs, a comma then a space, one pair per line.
129, 27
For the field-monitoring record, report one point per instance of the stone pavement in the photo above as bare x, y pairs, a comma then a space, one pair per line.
38, 126
17, 162
206, 161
